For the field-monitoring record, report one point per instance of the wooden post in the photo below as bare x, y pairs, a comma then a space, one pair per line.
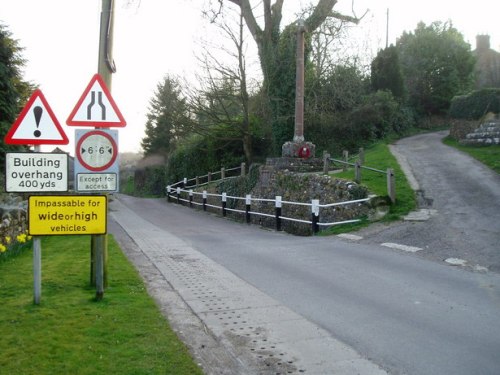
99, 246
326, 162
248, 202
37, 270
361, 156
278, 212
345, 155
391, 185
224, 204
357, 172
243, 169
315, 215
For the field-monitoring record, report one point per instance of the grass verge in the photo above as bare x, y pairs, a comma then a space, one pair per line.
71, 333
380, 157
488, 155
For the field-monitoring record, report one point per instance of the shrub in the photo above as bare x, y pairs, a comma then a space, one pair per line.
476, 104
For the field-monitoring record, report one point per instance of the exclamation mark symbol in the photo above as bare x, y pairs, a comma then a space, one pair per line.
38, 115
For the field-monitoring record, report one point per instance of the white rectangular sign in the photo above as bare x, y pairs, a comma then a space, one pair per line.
96, 182
36, 172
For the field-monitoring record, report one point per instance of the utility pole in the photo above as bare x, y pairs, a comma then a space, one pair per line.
387, 30
105, 68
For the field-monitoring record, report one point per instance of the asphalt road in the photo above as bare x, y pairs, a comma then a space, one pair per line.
408, 315
464, 197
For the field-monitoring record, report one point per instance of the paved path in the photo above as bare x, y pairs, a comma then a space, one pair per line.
461, 197
230, 326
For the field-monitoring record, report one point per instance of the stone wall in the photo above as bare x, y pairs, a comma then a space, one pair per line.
487, 134
14, 218
293, 187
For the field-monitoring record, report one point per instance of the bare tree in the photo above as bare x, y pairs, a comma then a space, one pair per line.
275, 54
222, 101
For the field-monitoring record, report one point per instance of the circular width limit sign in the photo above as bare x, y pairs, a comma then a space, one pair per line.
96, 150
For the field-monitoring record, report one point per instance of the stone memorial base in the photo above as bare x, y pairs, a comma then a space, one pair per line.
303, 150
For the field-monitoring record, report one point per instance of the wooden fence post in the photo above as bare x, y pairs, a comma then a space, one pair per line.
391, 185
178, 195
243, 169
361, 156
315, 215
224, 204
357, 172
345, 156
326, 162
278, 212
248, 202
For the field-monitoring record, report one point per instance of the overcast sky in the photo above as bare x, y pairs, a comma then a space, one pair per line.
153, 38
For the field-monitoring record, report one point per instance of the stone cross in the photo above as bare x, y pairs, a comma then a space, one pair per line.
298, 135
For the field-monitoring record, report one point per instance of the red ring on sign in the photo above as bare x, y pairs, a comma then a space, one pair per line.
304, 152
79, 155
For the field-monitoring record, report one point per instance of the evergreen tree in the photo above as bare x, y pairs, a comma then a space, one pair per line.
167, 119
437, 64
386, 73
14, 91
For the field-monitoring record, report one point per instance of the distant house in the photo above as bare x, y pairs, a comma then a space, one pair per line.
488, 63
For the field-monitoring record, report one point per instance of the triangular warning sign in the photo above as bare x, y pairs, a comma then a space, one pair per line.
36, 125
96, 107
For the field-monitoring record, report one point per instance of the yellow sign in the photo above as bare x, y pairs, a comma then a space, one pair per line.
67, 214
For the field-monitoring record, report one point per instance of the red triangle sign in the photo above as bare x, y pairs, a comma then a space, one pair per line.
96, 107
36, 125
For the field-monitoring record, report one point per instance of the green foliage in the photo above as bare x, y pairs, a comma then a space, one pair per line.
281, 87
70, 333
14, 92
379, 156
377, 116
437, 65
167, 119
150, 181
238, 186
476, 104
386, 73
198, 156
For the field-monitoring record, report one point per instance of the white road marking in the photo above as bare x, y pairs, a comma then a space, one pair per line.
351, 237
456, 261
411, 249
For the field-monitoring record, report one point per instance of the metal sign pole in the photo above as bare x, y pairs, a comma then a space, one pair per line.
37, 264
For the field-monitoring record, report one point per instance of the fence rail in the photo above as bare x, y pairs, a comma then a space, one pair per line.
179, 195
359, 166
